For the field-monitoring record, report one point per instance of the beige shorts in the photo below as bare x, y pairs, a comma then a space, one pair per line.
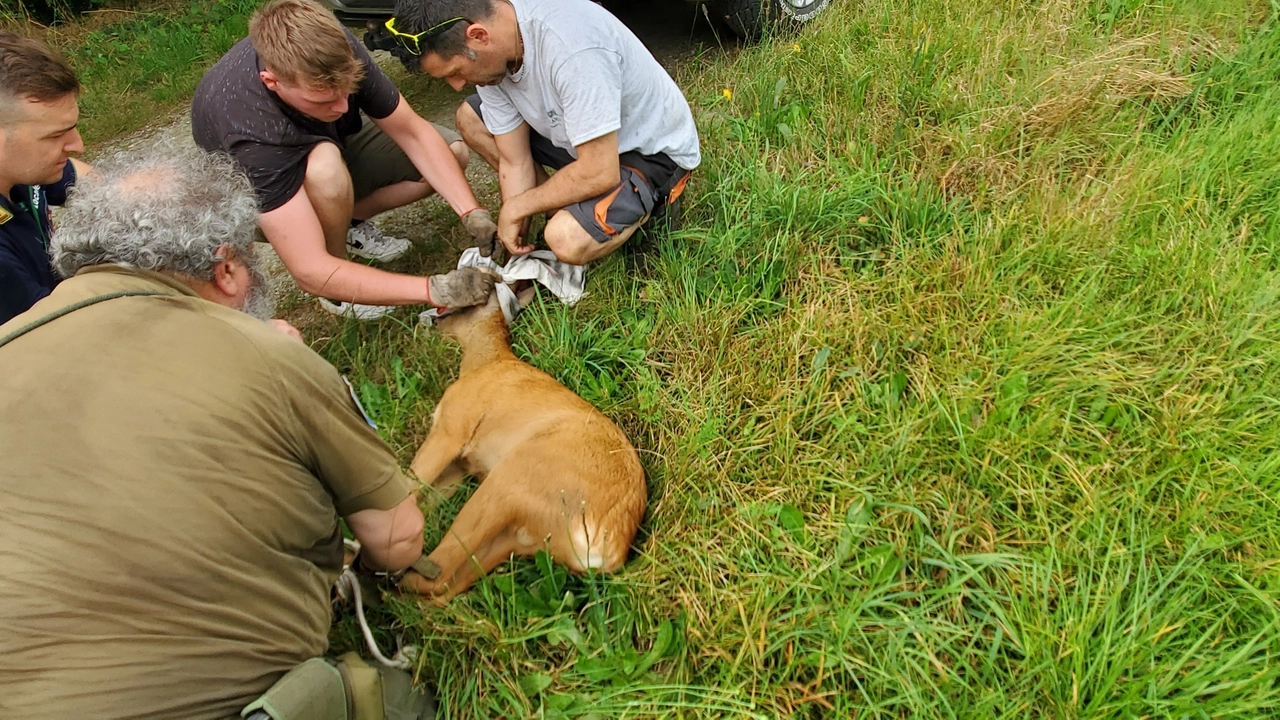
376, 161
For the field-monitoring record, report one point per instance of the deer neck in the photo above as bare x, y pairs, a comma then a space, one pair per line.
485, 342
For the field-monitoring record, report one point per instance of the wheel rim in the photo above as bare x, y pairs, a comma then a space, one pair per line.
799, 6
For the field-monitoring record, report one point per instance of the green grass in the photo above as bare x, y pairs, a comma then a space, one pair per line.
958, 393
141, 62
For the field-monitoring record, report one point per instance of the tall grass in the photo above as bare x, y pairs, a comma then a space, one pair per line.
958, 392
141, 63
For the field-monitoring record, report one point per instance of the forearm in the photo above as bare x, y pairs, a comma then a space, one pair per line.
431, 155
435, 160
393, 556
294, 231
319, 273
389, 539
516, 177
83, 169
573, 183
344, 280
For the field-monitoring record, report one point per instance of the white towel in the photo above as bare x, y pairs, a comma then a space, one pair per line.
565, 281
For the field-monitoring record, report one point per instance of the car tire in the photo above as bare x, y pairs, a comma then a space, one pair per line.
750, 19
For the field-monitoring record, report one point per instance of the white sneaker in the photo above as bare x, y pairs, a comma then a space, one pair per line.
355, 310
367, 241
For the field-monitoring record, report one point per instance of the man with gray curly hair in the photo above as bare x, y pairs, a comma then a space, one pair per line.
177, 211
174, 469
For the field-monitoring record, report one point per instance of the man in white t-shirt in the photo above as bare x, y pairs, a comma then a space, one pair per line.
561, 84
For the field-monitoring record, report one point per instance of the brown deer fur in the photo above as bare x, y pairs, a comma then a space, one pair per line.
555, 472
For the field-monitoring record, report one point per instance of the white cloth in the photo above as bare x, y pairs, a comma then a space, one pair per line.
585, 75
565, 281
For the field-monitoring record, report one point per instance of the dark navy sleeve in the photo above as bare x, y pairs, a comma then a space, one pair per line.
56, 193
19, 289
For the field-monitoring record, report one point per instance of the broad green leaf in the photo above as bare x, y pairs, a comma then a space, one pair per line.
792, 520
534, 684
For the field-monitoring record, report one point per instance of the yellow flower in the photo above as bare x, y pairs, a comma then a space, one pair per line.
795, 47
727, 93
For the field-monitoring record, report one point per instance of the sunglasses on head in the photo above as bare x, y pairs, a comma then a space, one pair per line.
411, 43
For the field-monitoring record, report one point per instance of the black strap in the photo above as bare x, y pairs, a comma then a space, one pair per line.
70, 309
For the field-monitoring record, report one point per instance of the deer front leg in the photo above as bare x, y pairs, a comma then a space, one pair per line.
434, 462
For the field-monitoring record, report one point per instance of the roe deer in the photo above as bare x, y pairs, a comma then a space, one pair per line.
555, 472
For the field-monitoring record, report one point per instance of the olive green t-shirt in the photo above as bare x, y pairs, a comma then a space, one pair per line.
171, 476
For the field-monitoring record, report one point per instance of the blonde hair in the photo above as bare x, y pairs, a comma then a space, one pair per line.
302, 43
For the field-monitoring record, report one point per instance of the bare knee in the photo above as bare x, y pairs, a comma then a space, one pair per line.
461, 152
470, 126
569, 241
566, 238
327, 179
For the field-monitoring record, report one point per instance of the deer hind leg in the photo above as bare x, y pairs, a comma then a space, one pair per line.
479, 540
489, 556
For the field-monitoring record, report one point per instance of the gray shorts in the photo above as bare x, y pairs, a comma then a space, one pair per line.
630, 202
645, 183
376, 161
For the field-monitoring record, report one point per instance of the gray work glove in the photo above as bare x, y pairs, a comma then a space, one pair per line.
484, 232
461, 288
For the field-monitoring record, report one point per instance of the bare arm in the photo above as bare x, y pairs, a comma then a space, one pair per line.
389, 539
595, 172
517, 174
516, 171
294, 231
430, 154
83, 169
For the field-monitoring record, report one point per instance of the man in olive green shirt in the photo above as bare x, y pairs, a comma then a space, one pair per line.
174, 468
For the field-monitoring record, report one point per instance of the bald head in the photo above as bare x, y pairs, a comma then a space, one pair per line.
149, 182
170, 208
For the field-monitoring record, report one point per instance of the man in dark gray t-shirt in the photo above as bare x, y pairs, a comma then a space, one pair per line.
329, 142
561, 84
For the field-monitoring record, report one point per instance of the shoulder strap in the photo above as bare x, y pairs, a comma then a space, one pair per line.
70, 309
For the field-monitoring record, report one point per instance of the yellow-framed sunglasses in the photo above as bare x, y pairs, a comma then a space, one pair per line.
411, 42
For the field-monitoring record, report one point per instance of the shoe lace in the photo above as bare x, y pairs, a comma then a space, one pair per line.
371, 234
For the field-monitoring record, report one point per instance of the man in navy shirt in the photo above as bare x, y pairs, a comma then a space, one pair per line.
38, 116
